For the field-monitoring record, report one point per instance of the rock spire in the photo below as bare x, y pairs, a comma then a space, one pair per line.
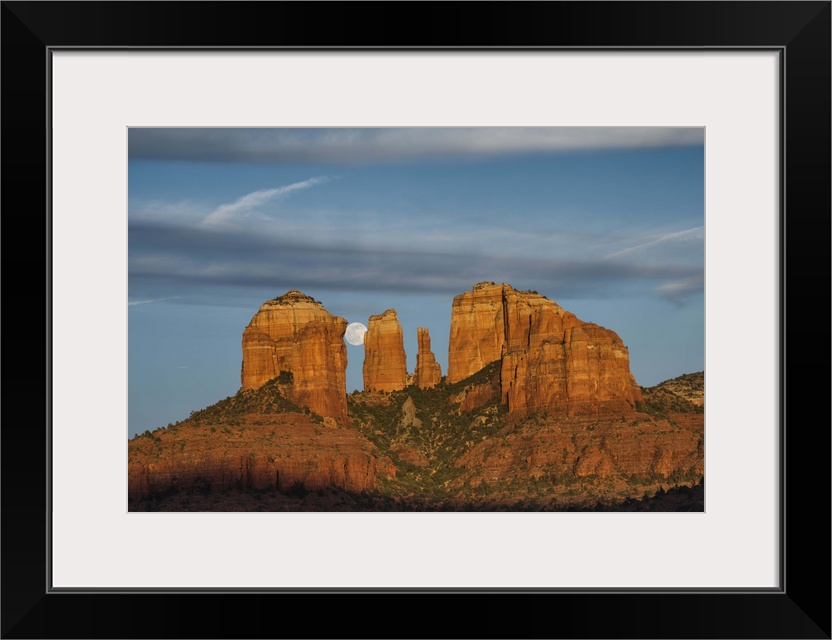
385, 362
428, 372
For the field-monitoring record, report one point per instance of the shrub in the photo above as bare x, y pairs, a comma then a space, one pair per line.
297, 490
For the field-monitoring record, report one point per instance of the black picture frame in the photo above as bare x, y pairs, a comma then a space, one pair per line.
799, 31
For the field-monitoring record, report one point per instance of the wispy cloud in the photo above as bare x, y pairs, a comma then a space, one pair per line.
162, 211
676, 235
135, 302
238, 259
678, 291
357, 146
247, 205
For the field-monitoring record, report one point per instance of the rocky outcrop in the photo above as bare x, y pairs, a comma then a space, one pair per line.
476, 396
549, 449
550, 360
385, 362
295, 333
428, 372
683, 394
410, 455
477, 330
555, 362
259, 452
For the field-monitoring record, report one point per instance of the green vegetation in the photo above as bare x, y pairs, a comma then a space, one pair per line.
297, 490
684, 394
415, 423
290, 297
426, 434
267, 400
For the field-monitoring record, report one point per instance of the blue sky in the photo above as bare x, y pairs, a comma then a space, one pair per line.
608, 222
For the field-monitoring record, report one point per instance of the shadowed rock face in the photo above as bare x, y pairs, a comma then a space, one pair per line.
385, 362
428, 372
550, 360
295, 333
263, 452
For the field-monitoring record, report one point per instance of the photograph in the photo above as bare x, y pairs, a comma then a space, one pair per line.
416, 319
414, 307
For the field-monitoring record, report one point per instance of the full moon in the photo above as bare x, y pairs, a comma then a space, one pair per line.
355, 333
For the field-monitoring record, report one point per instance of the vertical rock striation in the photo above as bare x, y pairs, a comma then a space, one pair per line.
555, 362
385, 362
550, 360
295, 333
477, 330
428, 372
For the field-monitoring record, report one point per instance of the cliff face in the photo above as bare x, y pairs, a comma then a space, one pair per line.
551, 360
428, 372
296, 333
385, 362
262, 452
477, 330
556, 362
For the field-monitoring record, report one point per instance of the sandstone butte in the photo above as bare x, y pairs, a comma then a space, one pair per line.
428, 371
385, 362
295, 333
550, 360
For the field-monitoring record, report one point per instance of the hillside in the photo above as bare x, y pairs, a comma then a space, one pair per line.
685, 394
449, 447
255, 440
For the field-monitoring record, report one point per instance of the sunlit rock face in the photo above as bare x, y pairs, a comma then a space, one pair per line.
385, 362
477, 330
295, 333
428, 371
550, 360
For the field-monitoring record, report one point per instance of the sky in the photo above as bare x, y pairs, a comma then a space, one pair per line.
607, 222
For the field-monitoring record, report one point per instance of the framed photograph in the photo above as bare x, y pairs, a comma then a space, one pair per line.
112, 107
455, 396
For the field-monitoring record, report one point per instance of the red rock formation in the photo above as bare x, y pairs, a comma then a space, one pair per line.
385, 362
295, 333
639, 446
410, 455
262, 452
477, 330
551, 360
428, 372
556, 362
476, 396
